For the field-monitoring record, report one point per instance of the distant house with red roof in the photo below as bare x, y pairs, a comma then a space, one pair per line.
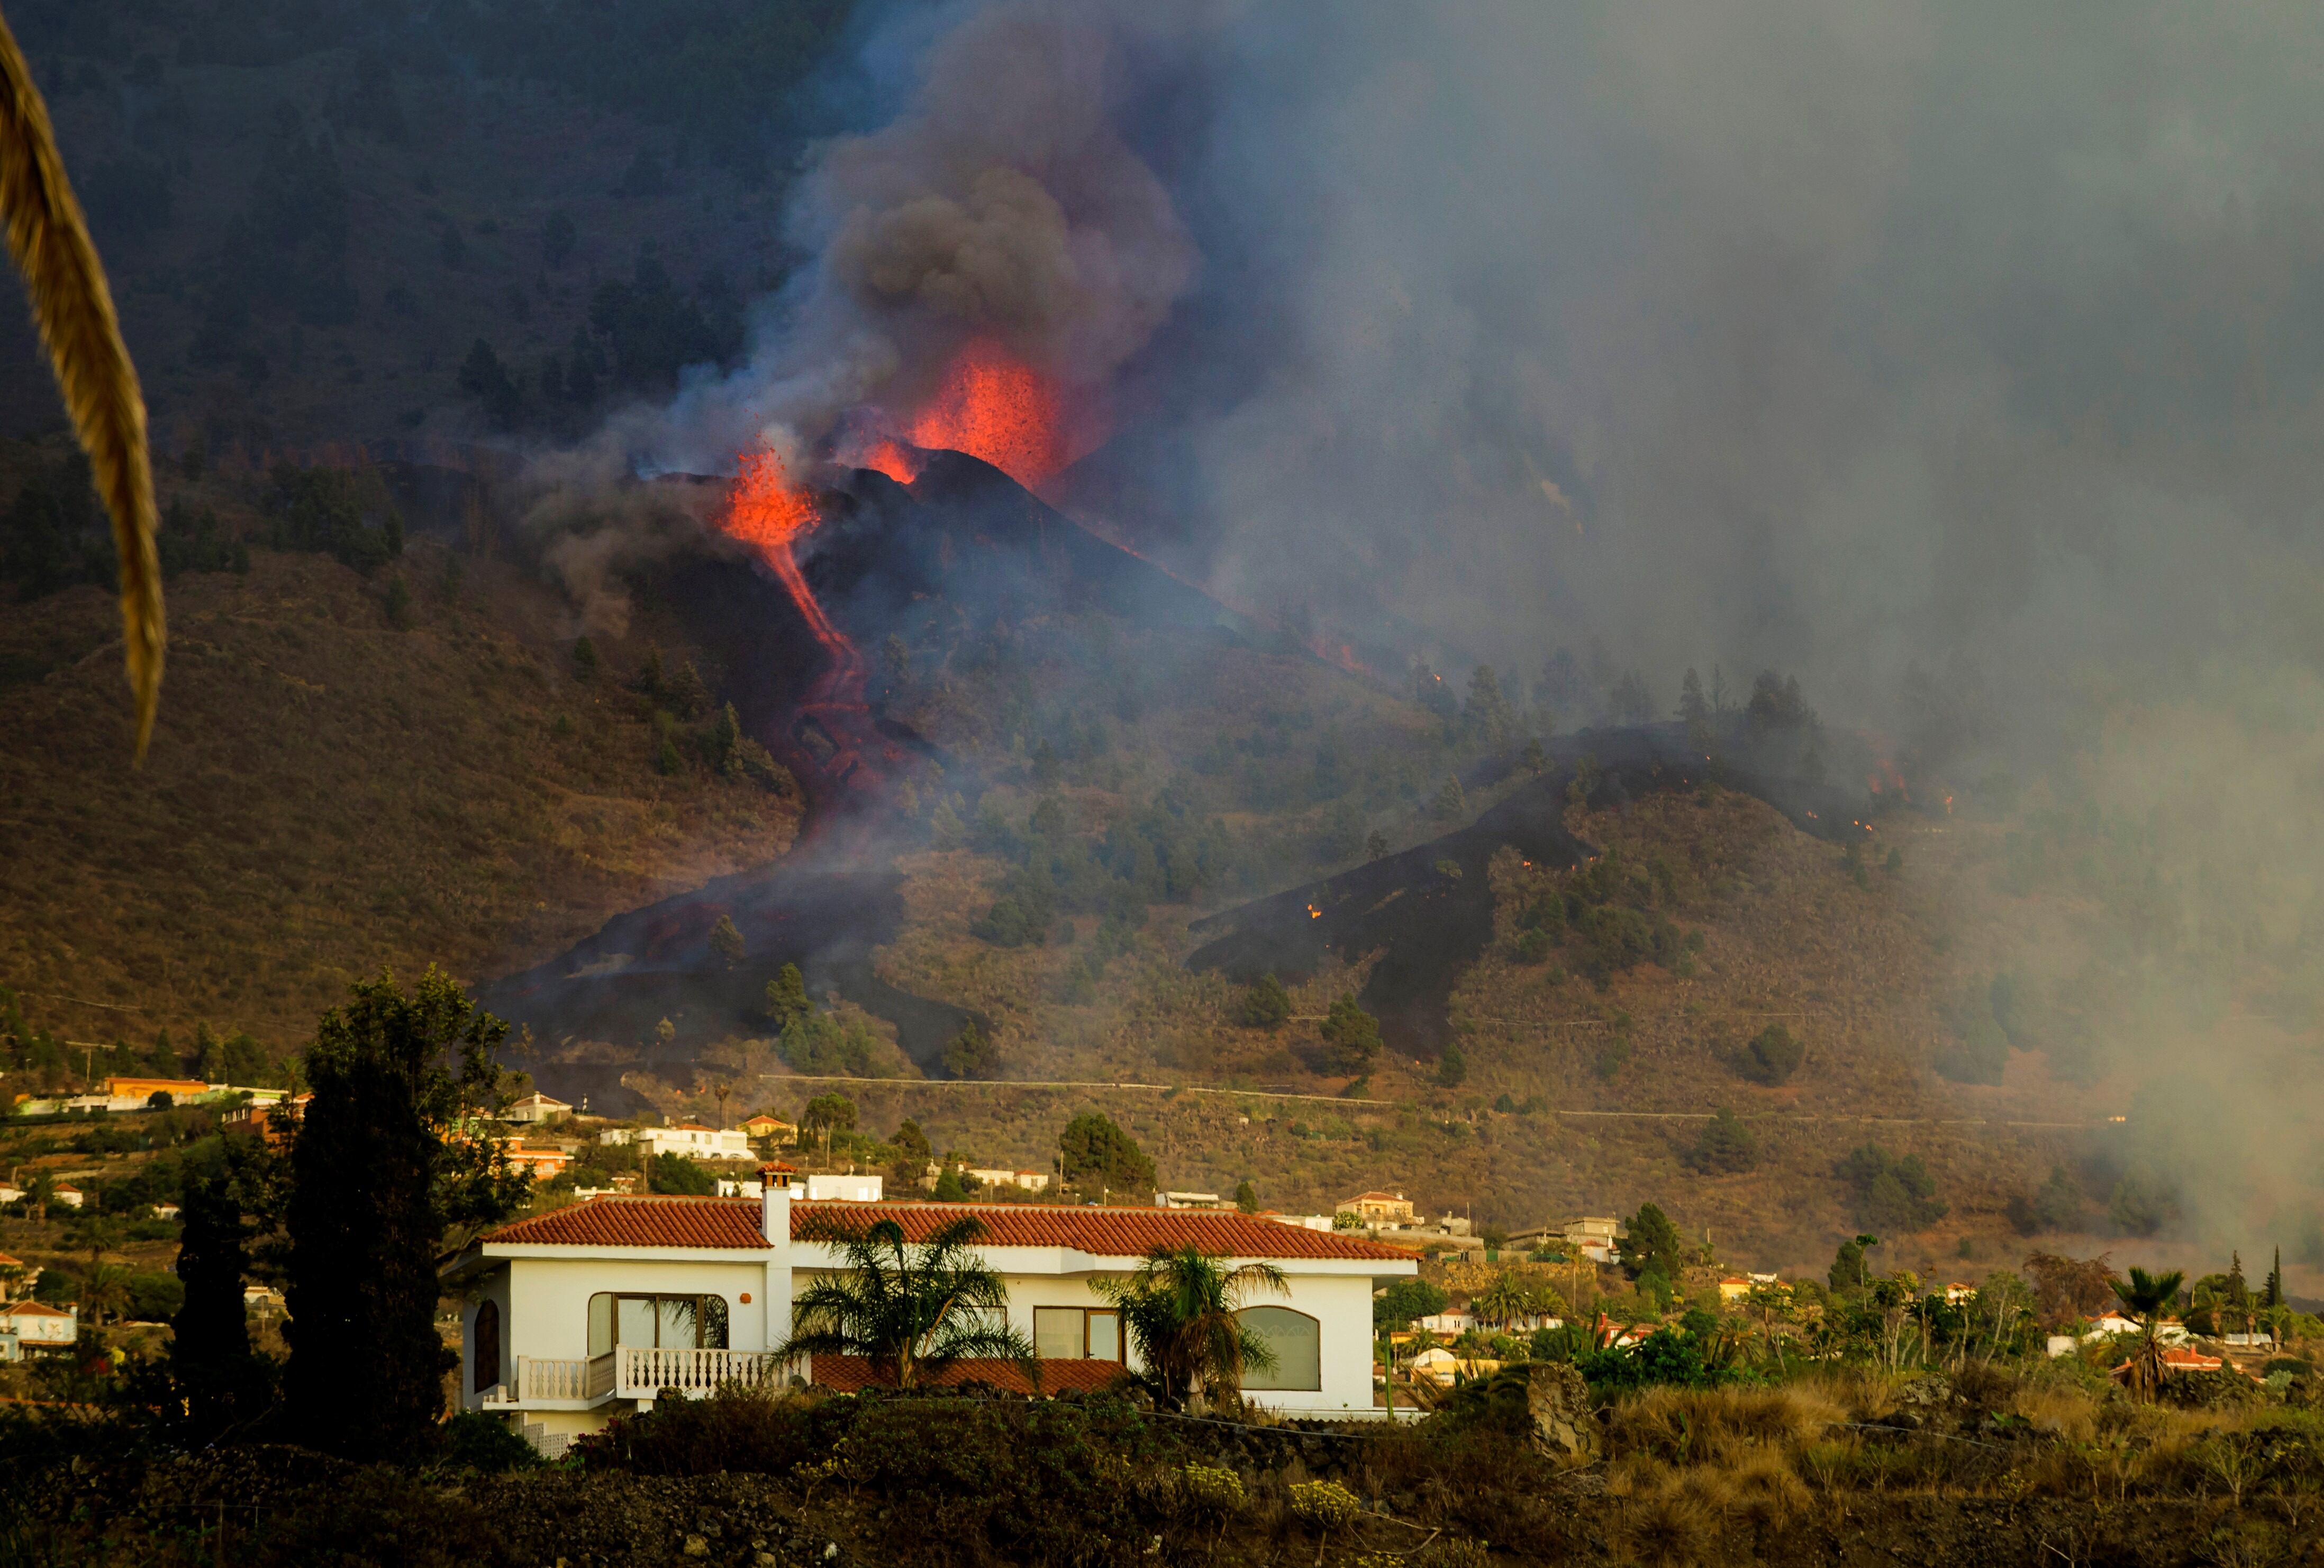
594, 1310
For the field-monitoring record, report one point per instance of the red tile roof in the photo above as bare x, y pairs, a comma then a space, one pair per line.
733, 1222
847, 1374
1119, 1233
641, 1222
30, 1309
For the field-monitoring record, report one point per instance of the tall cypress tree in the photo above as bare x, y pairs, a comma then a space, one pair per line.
383, 1165
209, 1352
2275, 1282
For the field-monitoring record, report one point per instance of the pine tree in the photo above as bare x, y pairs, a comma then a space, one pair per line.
688, 697
1266, 1004
913, 1142
379, 1168
971, 1054
1351, 1038
585, 660
1693, 707
787, 998
1725, 1146
1451, 1066
1094, 1150
726, 743
1487, 710
726, 941
1246, 1196
1449, 801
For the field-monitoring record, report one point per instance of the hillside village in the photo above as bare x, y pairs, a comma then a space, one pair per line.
91, 1210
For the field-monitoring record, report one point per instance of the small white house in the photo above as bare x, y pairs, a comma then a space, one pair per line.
690, 1138
1032, 1181
595, 1310
538, 1107
69, 1197
34, 1325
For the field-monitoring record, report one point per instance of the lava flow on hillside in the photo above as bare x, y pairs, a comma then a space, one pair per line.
828, 570
830, 720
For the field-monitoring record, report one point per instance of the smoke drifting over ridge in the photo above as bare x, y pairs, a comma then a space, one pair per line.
1000, 208
1852, 340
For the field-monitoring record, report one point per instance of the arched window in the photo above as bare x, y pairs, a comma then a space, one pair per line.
1297, 1341
487, 1332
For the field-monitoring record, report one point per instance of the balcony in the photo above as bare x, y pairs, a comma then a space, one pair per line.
629, 1373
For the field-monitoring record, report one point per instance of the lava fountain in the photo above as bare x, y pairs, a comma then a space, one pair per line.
988, 404
765, 509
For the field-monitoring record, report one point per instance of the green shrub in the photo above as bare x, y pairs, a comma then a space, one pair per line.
1772, 1056
475, 1441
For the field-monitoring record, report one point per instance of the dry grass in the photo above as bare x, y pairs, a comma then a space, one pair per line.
1719, 1425
326, 794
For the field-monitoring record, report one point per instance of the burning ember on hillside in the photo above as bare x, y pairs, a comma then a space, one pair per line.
766, 510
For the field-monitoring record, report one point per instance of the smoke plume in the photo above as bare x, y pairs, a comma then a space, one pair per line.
1964, 360
1000, 206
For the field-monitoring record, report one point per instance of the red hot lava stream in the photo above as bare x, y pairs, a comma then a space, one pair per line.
765, 509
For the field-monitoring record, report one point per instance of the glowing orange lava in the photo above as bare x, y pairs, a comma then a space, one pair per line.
993, 406
893, 458
765, 509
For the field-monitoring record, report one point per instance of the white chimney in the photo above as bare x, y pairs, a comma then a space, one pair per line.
775, 1204
775, 1225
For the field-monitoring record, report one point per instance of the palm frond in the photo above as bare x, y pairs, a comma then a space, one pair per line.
73, 307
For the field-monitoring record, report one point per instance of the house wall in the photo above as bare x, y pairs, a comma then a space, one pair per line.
494, 1288
1341, 1305
547, 1312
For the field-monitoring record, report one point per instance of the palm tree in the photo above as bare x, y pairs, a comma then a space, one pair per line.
106, 1292
1180, 1308
1503, 1302
2145, 1298
73, 307
911, 1308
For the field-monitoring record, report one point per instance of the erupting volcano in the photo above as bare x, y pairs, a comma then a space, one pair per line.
765, 509
990, 405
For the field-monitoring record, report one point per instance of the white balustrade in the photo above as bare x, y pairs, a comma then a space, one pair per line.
546, 1377
633, 1372
646, 1372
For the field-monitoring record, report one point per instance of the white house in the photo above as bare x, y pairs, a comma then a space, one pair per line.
31, 1325
592, 1311
690, 1138
1032, 1181
538, 1107
1451, 1322
832, 1187
68, 1196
